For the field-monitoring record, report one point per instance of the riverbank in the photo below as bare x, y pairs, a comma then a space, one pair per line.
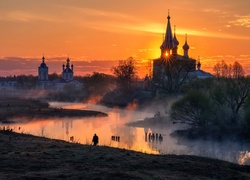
29, 109
29, 157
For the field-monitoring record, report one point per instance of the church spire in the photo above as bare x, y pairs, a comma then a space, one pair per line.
68, 62
167, 44
43, 59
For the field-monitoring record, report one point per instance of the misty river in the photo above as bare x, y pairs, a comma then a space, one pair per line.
114, 132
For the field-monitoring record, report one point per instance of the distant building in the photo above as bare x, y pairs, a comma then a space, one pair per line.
43, 75
8, 85
200, 74
67, 77
67, 72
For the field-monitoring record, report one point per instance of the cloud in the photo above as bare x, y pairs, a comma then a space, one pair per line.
99, 13
215, 11
238, 20
21, 16
241, 20
24, 65
129, 24
29, 65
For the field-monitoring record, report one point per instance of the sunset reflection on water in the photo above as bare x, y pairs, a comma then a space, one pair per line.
81, 130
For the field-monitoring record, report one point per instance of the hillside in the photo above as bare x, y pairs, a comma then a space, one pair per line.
28, 157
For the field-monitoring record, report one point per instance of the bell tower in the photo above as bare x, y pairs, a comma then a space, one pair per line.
43, 71
167, 44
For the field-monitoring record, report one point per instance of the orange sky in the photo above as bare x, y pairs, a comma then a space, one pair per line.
110, 30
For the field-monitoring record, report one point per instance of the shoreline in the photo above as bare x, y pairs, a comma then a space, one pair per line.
11, 108
52, 113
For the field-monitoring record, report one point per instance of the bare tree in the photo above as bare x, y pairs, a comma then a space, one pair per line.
230, 70
174, 73
237, 91
217, 70
221, 69
224, 69
125, 72
238, 71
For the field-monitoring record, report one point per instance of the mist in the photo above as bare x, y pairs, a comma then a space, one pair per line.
131, 137
225, 149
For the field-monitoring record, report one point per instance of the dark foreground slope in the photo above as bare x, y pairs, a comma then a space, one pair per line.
29, 157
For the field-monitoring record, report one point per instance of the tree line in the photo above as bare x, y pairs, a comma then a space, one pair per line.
221, 69
219, 105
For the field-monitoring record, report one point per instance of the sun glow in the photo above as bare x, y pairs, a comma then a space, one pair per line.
123, 31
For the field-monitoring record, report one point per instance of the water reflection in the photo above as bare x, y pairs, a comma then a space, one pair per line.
112, 132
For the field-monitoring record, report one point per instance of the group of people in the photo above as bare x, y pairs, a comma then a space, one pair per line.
115, 138
152, 137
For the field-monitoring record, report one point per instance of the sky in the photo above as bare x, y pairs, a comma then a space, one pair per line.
96, 34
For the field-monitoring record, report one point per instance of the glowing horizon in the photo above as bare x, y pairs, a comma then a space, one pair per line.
99, 31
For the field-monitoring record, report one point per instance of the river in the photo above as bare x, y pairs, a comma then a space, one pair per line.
113, 131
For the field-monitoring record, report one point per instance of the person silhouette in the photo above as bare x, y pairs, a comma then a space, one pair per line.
153, 137
160, 138
95, 139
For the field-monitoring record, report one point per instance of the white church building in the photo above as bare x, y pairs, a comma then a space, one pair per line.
67, 77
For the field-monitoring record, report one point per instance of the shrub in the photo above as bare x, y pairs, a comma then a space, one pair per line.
193, 109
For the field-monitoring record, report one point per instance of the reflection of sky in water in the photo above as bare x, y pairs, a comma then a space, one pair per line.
83, 129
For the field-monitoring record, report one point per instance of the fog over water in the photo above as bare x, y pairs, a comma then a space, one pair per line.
81, 130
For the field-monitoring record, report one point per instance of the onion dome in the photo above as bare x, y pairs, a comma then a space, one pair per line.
68, 63
43, 62
66, 68
175, 41
185, 46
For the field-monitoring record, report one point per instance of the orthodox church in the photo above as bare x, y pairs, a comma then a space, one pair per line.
67, 77
43, 75
169, 49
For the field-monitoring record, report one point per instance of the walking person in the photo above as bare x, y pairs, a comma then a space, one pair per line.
95, 139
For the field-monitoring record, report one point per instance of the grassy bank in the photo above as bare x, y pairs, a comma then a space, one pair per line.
25, 156
10, 108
